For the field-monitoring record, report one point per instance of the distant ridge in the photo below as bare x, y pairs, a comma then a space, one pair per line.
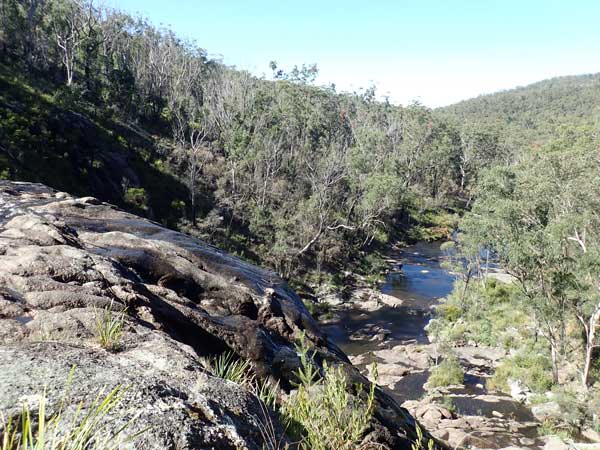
536, 109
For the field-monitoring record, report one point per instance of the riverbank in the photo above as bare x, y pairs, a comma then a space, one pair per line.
388, 325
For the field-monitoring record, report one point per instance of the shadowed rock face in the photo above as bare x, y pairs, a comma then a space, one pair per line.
61, 258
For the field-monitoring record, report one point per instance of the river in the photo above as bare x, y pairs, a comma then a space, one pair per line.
392, 335
419, 280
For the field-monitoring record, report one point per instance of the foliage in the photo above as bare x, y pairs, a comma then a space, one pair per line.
88, 428
137, 198
228, 367
318, 310
449, 372
109, 327
543, 230
448, 403
575, 412
529, 365
418, 443
240, 371
301, 177
322, 414
266, 392
532, 114
490, 313
321, 405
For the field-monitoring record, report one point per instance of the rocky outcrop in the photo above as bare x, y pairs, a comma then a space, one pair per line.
64, 258
465, 415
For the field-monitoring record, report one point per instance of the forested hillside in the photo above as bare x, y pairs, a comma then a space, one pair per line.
316, 184
538, 219
532, 114
293, 175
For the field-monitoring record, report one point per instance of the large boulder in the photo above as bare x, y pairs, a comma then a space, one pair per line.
64, 259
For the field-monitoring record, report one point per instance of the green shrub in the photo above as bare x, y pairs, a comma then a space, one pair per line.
178, 205
497, 291
447, 403
492, 314
449, 312
318, 310
137, 198
321, 414
449, 372
529, 366
109, 327
374, 264
550, 428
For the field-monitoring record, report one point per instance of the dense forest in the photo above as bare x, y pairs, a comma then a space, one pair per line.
533, 114
282, 172
303, 178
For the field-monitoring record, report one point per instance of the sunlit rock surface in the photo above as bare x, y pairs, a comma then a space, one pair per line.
64, 258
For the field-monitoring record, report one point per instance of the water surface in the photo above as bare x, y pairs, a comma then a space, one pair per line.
419, 280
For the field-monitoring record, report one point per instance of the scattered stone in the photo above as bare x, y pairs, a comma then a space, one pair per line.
519, 391
369, 299
556, 443
333, 299
546, 411
528, 442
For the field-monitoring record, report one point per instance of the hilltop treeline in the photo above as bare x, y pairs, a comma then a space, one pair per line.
280, 170
534, 114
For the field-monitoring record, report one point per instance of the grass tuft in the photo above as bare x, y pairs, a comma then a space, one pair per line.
228, 367
109, 326
88, 428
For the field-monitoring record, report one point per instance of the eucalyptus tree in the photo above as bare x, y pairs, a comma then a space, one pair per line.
541, 219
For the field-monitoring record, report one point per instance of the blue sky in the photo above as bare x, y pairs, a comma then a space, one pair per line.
437, 52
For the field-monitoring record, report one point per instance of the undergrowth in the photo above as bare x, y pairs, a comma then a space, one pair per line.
86, 429
449, 372
321, 414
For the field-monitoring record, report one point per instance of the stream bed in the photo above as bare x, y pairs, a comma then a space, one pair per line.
419, 280
396, 338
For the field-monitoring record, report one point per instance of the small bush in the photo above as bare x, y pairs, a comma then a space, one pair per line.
449, 372
322, 415
137, 198
497, 291
529, 366
449, 312
109, 326
318, 310
447, 403
492, 314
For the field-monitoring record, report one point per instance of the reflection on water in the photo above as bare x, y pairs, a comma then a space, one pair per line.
419, 282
